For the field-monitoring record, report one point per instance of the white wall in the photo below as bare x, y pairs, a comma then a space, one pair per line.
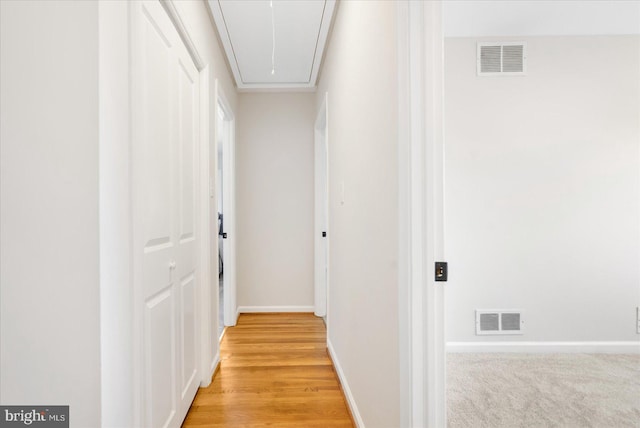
274, 197
49, 295
360, 75
480, 18
542, 189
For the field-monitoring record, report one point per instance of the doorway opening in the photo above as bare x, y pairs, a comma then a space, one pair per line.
220, 124
321, 212
224, 216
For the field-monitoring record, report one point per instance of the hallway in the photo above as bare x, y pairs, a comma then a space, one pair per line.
274, 370
433, 177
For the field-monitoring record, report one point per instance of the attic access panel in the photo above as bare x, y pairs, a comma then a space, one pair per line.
286, 36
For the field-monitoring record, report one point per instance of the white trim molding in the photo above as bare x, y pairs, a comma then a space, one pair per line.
321, 208
118, 396
521, 347
273, 309
176, 19
351, 402
212, 369
227, 135
207, 328
421, 239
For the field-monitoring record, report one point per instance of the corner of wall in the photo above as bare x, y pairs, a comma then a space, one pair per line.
351, 401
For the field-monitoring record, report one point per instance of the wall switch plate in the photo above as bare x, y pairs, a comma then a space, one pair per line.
442, 271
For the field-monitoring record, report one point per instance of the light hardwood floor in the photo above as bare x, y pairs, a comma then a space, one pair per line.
274, 371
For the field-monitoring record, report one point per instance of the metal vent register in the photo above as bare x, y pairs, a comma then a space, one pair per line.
502, 321
507, 59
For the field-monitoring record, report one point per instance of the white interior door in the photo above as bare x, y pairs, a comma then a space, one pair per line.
321, 212
166, 127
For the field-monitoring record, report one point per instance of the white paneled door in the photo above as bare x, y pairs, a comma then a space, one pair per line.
165, 134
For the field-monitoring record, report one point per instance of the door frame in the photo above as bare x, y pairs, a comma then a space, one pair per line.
229, 203
321, 144
421, 213
207, 330
118, 406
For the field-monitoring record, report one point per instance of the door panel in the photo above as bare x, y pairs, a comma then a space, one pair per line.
187, 99
154, 175
188, 327
160, 360
157, 139
155, 153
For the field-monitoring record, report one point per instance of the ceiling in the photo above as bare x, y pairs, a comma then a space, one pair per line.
275, 44
288, 37
480, 18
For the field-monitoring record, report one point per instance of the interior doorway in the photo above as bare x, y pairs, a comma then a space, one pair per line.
220, 215
321, 244
224, 217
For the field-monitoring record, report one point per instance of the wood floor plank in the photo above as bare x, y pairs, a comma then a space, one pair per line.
274, 371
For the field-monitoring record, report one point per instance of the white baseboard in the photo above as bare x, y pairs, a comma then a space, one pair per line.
345, 386
629, 347
264, 309
214, 363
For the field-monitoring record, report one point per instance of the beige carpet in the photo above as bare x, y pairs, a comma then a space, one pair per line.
543, 390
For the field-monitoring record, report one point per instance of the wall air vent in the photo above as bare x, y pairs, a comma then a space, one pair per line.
501, 59
499, 321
